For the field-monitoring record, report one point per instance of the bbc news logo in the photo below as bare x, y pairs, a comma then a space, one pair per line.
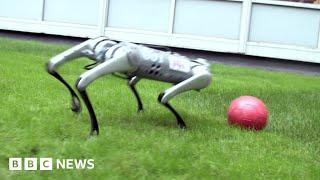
48, 164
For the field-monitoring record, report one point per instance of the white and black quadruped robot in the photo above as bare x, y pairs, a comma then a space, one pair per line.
133, 62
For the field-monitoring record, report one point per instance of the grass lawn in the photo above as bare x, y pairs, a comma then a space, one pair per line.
36, 121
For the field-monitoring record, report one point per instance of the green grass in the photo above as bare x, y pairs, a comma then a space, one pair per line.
35, 121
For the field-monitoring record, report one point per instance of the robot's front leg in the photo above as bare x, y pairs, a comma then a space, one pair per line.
116, 64
83, 49
180, 121
199, 80
132, 82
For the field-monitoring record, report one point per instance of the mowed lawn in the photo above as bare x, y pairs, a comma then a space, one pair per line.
36, 121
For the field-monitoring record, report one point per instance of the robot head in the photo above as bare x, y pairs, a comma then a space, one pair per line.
202, 61
101, 48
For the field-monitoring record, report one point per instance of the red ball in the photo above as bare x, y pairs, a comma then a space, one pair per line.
248, 112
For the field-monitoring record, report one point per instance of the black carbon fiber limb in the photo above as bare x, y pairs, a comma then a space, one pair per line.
180, 121
75, 101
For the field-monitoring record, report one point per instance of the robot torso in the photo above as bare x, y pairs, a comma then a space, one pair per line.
155, 64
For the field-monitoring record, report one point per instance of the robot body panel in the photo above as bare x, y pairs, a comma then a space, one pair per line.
157, 65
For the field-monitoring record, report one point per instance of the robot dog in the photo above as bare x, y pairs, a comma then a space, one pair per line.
133, 62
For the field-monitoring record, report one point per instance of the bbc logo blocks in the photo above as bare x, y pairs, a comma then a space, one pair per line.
30, 164
15, 164
47, 164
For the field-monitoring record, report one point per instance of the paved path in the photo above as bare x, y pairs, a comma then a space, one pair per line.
226, 58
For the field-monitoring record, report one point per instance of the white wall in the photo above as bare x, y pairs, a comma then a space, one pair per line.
208, 18
72, 11
254, 27
21, 9
139, 14
285, 25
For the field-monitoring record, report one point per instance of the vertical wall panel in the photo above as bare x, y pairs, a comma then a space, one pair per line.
139, 14
208, 18
22, 9
284, 25
72, 11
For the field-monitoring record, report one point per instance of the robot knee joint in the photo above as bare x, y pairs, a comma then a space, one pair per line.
80, 85
163, 98
50, 67
203, 81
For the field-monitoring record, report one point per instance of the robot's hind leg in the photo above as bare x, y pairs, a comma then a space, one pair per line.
75, 102
199, 80
131, 84
116, 64
84, 49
